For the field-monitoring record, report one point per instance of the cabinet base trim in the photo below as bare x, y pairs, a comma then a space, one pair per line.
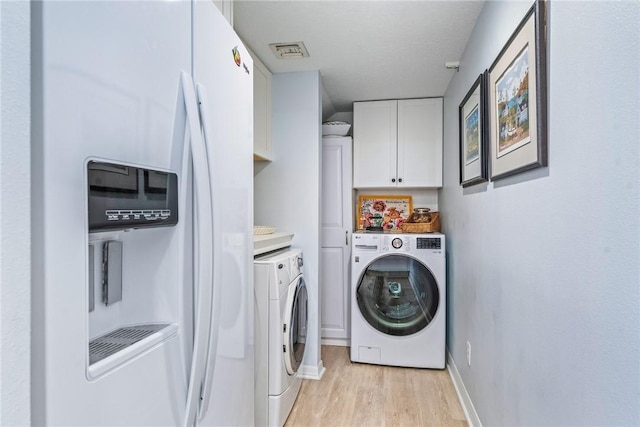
340, 342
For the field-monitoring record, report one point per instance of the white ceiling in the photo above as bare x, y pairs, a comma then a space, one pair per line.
365, 50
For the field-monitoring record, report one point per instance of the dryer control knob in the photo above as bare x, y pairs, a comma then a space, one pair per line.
396, 243
300, 262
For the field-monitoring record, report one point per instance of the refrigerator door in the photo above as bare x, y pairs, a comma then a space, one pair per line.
105, 84
223, 73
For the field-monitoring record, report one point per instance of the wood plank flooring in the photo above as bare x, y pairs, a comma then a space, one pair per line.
355, 394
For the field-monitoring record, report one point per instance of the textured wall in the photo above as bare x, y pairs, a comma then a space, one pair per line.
15, 276
544, 266
287, 190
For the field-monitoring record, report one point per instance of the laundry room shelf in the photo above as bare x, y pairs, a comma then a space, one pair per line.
271, 242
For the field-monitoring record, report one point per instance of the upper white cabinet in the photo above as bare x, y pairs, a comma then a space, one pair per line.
261, 111
397, 143
226, 8
375, 134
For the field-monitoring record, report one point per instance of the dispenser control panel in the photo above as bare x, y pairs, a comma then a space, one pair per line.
123, 197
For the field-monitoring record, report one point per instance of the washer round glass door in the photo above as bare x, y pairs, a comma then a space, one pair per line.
295, 326
397, 295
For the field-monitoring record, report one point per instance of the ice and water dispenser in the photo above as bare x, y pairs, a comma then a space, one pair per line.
133, 262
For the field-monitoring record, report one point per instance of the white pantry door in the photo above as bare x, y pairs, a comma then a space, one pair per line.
337, 225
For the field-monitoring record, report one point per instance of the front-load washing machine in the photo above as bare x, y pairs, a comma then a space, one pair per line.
398, 299
280, 326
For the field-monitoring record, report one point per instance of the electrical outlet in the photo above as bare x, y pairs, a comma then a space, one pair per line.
469, 353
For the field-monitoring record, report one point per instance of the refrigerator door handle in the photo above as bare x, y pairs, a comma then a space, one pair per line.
205, 395
203, 231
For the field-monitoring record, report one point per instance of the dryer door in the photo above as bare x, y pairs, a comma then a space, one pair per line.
398, 295
295, 326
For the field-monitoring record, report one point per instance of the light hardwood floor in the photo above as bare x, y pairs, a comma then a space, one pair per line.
354, 395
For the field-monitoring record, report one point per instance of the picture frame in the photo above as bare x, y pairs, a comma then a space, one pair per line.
474, 133
517, 94
383, 211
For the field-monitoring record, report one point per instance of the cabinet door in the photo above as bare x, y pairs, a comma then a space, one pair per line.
226, 8
374, 144
420, 142
337, 223
261, 111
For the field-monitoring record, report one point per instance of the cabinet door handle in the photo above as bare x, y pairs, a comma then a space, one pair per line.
346, 238
399, 179
393, 180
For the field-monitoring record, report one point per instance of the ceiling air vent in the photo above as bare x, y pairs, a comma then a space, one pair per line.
289, 50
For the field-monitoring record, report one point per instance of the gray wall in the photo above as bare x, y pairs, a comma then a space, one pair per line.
15, 275
543, 266
287, 190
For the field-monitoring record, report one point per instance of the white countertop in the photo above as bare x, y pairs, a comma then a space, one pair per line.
263, 243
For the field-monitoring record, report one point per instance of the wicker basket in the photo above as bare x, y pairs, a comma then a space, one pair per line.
422, 227
259, 230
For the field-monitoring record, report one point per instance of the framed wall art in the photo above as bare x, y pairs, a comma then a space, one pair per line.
382, 212
517, 89
473, 134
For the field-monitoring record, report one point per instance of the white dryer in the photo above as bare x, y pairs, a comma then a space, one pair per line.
398, 299
280, 326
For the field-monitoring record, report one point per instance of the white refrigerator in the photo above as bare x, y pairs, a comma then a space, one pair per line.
142, 215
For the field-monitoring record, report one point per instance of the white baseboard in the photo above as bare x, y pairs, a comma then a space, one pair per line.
340, 342
312, 372
465, 400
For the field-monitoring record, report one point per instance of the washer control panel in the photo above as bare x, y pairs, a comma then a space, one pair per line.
295, 263
428, 243
396, 243
381, 242
287, 264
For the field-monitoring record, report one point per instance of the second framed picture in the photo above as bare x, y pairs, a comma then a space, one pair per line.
474, 134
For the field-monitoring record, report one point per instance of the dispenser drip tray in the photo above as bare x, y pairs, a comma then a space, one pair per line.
117, 340
121, 344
